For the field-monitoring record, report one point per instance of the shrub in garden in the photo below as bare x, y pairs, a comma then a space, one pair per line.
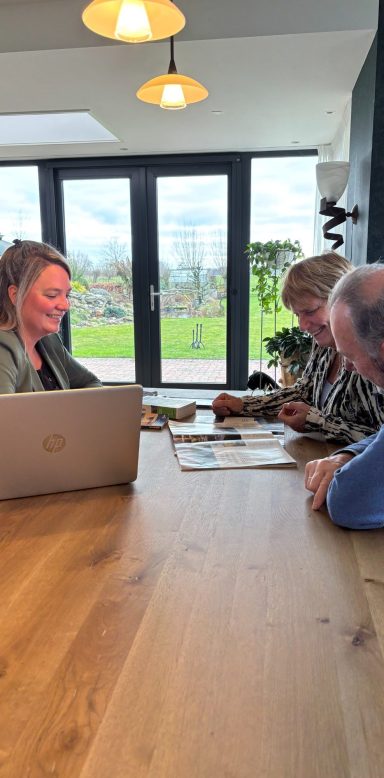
114, 311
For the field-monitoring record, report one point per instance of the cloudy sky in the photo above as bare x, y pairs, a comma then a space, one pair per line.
19, 203
284, 199
283, 204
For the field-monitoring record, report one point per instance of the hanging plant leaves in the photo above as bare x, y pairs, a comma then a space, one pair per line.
268, 262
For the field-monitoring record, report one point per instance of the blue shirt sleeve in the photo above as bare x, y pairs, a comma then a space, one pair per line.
355, 496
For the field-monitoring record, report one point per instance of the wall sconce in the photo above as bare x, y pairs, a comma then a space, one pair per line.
332, 178
172, 90
133, 21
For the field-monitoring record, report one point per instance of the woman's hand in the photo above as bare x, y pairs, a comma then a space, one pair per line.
319, 474
225, 405
294, 414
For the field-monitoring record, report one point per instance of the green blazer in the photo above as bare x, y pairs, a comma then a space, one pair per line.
17, 374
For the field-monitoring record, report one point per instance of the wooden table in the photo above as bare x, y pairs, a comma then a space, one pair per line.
192, 625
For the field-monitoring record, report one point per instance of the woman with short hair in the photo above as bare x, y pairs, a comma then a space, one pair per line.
328, 399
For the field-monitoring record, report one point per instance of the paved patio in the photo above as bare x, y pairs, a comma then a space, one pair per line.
205, 371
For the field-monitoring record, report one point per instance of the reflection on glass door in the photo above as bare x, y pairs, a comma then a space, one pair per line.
99, 249
192, 247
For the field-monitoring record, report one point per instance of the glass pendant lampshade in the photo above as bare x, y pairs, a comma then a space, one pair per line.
332, 178
173, 97
133, 21
172, 90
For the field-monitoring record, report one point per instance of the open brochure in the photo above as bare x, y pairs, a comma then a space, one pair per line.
272, 424
234, 442
206, 427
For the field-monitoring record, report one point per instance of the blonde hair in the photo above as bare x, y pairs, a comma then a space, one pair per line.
315, 276
20, 266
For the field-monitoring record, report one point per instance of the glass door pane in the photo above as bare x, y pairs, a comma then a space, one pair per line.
97, 215
19, 204
192, 216
282, 208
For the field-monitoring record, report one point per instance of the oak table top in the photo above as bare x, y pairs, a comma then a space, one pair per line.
191, 625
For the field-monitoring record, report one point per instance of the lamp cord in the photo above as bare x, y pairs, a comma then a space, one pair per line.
172, 65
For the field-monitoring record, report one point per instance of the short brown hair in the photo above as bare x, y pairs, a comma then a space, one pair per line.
20, 266
313, 276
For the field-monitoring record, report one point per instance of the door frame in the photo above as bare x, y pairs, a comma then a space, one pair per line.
142, 173
153, 172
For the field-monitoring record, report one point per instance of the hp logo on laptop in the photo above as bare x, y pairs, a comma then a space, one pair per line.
54, 443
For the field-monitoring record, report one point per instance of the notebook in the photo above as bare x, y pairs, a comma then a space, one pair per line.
71, 439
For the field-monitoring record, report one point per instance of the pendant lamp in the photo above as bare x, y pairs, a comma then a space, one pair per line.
171, 90
133, 21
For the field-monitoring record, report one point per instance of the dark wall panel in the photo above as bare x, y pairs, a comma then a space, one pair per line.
360, 155
375, 248
365, 241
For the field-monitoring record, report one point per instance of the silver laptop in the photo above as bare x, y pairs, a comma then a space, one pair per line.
65, 440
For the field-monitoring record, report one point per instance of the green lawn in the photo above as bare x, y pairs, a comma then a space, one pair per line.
116, 340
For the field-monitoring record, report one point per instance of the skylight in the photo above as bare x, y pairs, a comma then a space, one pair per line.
61, 127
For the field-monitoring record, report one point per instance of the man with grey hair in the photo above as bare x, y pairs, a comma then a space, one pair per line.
351, 481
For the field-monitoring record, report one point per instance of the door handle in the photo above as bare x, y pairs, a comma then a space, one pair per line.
152, 295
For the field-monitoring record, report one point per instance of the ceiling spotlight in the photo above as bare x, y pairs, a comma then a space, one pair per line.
133, 21
332, 178
172, 90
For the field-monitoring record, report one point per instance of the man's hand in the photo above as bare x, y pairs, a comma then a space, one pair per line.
225, 405
294, 414
319, 474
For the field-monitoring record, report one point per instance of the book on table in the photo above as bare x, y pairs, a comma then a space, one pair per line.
153, 421
234, 442
173, 407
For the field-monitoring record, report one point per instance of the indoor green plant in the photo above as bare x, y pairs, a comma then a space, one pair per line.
291, 347
268, 262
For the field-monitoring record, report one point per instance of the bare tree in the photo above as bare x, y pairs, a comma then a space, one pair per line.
118, 261
81, 266
189, 249
217, 251
97, 271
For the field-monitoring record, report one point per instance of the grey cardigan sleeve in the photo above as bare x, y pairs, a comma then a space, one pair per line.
79, 376
17, 374
71, 373
14, 368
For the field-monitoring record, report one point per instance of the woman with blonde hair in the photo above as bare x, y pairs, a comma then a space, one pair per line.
34, 297
328, 399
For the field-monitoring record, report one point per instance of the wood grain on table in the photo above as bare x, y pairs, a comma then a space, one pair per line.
191, 625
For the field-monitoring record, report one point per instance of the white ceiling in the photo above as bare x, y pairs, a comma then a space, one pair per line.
273, 68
